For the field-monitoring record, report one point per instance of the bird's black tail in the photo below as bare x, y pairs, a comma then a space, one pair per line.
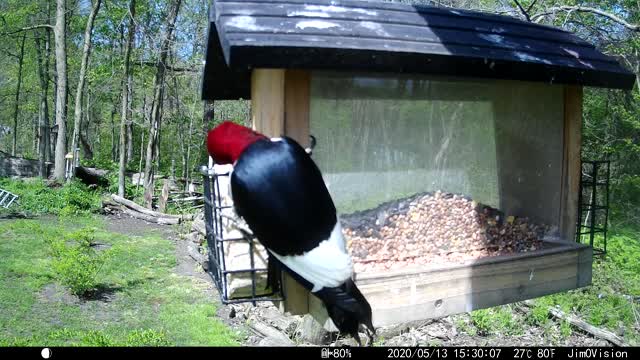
348, 309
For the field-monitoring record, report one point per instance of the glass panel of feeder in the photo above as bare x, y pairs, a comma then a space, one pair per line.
383, 140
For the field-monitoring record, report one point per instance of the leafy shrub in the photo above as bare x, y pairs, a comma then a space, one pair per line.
625, 195
539, 314
100, 338
37, 198
505, 321
147, 338
565, 329
75, 263
78, 199
496, 320
97, 338
482, 321
130, 191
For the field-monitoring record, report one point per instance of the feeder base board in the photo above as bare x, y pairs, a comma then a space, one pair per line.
409, 295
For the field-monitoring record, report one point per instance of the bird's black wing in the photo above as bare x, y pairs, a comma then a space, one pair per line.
280, 193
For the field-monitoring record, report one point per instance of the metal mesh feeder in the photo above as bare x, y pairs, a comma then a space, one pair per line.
237, 261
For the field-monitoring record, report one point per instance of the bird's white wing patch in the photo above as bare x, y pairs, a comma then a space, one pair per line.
328, 265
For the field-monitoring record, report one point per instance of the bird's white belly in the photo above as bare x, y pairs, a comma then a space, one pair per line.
327, 265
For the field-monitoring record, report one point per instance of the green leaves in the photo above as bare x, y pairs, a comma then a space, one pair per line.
36, 198
75, 263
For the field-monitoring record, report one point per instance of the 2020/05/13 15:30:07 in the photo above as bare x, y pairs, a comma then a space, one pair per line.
442, 353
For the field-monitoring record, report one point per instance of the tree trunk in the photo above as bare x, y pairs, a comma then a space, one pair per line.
130, 120
158, 90
84, 130
125, 99
86, 51
44, 147
114, 144
61, 89
208, 117
16, 109
187, 169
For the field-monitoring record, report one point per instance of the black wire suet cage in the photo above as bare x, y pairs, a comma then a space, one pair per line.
593, 204
217, 240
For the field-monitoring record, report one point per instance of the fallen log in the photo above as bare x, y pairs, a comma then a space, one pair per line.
132, 205
186, 199
276, 337
153, 219
91, 176
582, 325
597, 332
196, 255
198, 225
388, 332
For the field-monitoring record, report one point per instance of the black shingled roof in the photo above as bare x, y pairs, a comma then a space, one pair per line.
391, 37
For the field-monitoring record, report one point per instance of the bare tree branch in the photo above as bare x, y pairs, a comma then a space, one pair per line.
34, 27
566, 8
523, 11
168, 67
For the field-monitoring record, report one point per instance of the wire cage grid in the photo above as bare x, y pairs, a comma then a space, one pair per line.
214, 207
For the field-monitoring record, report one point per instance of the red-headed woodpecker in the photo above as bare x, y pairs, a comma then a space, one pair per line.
279, 191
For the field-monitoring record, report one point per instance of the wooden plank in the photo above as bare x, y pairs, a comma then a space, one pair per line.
570, 184
387, 49
297, 100
405, 15
268, 117
383, 31
267, 101
297, 94
296, 297
399, 38
585, 266
462, 288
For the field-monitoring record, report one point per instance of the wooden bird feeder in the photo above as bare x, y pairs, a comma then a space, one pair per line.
409, 101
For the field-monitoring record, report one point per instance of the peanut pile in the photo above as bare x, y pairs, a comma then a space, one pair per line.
438, 228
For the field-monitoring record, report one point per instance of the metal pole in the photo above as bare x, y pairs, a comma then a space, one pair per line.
594, 184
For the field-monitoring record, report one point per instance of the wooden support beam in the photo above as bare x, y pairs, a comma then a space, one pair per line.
570, 183
267, 101
280, 106
297, 99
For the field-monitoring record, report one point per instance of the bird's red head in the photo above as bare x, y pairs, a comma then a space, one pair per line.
228, 140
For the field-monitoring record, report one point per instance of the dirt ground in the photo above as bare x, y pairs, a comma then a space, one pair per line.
447, 331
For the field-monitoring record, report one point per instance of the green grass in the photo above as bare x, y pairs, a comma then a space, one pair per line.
616, 281
149, 304
498, 321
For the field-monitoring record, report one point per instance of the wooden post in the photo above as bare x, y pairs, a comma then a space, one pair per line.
570, 184
280, 106
267, 101
297, 98
164, 197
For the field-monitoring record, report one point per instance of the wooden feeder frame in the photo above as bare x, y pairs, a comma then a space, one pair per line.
260, 49
280, 101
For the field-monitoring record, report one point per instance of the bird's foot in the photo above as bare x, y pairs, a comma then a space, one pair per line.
371, 335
